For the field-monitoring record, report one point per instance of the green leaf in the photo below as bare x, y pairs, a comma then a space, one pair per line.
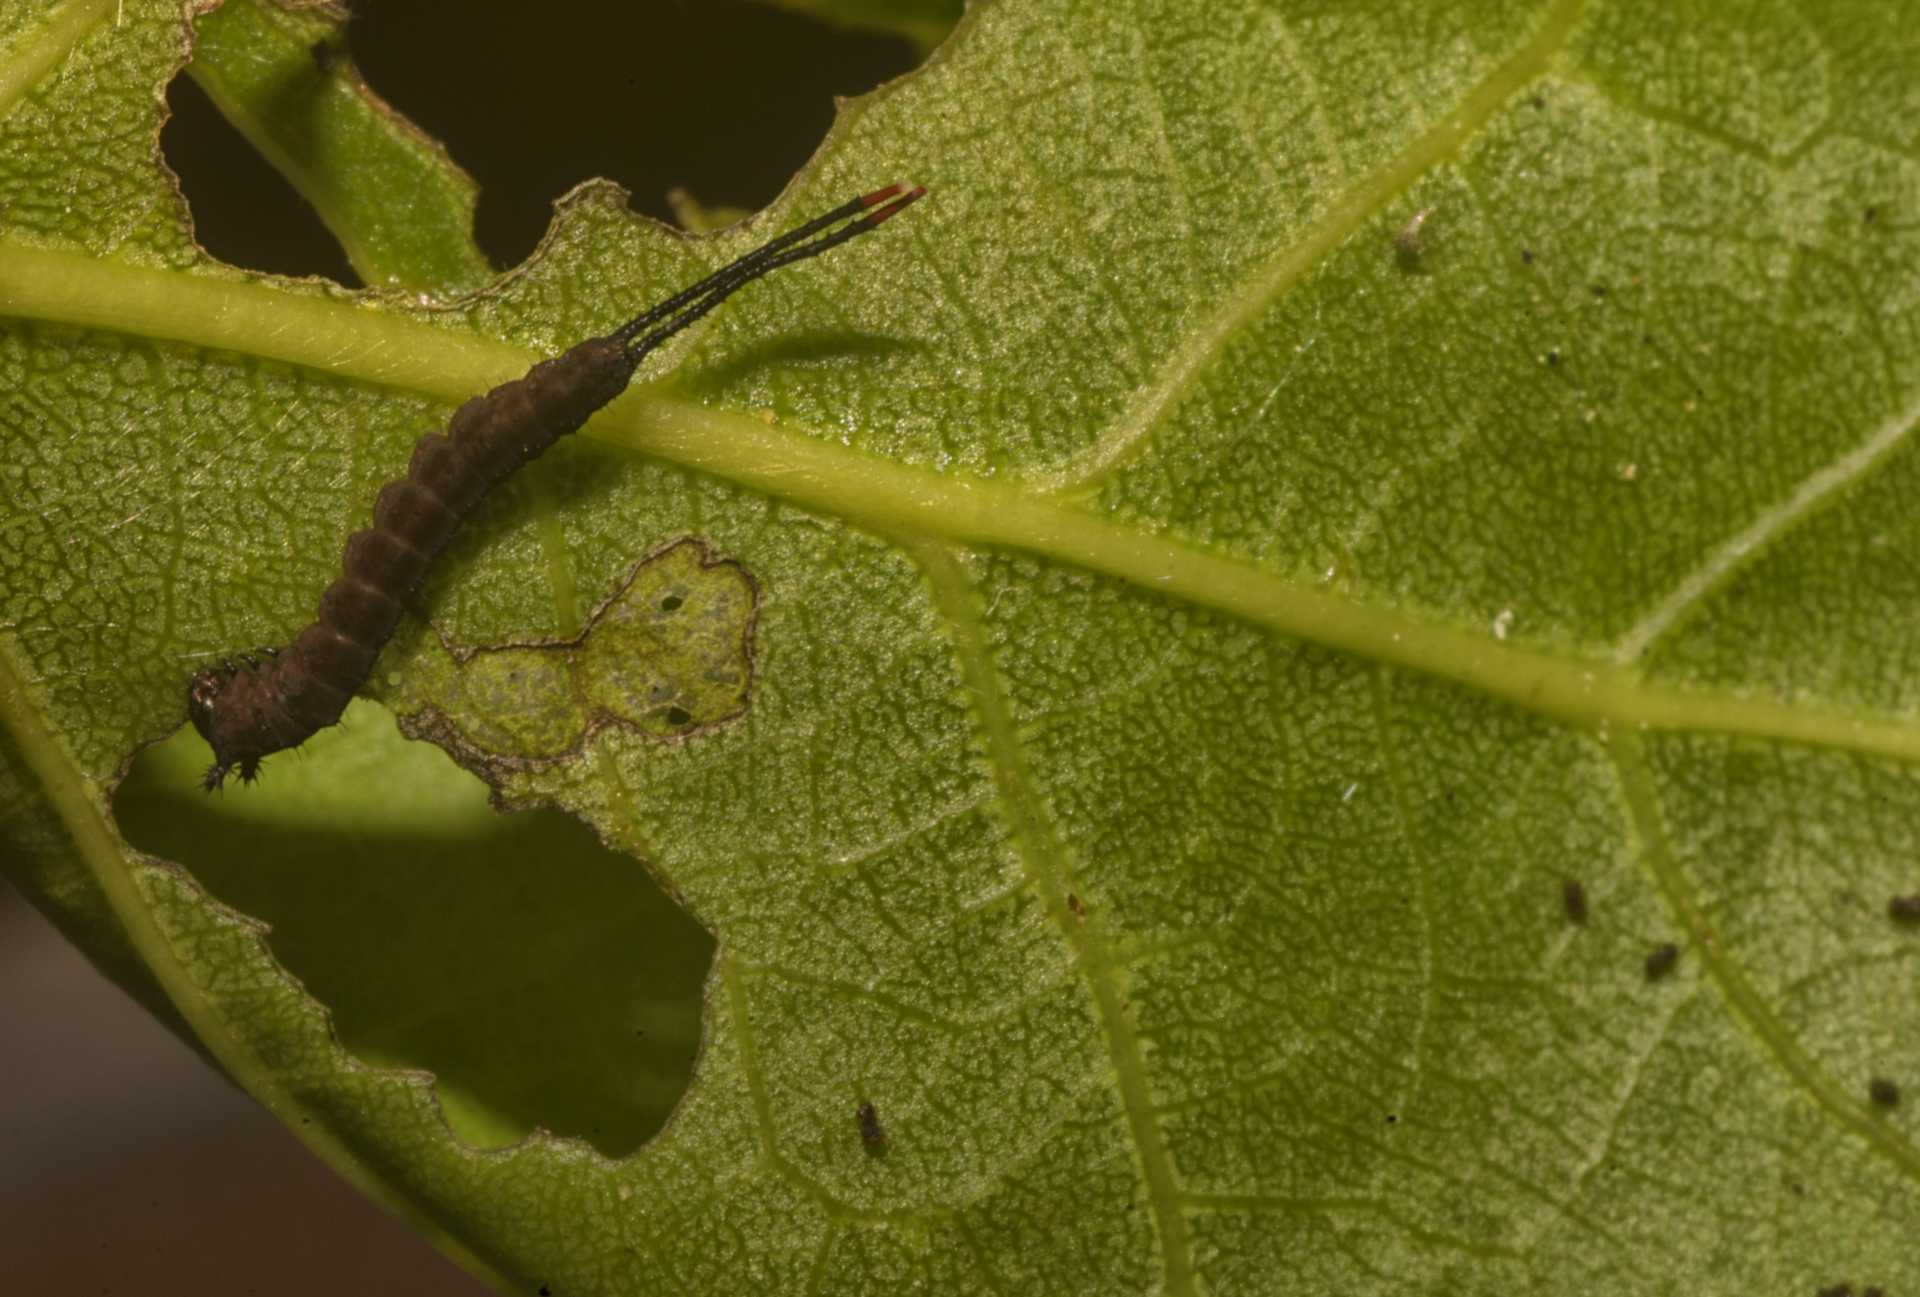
285, 78
696, 217
924, 22
1304, 486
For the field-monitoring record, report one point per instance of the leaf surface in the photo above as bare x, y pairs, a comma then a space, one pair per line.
924, 22
1305, 485
400, 208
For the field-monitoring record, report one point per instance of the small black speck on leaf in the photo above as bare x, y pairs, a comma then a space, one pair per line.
1837, 1290
1526, 256
1871, 215
678, 716
670, 603
1904, 909
1393, 1119
1883, 1092
1074, 904
545, 1291
871, 1133
1553, 356
1661, 959
1598, 290
1573, 894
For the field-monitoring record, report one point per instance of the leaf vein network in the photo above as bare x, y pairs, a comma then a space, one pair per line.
1287, 266
1044, 859
1742, 1000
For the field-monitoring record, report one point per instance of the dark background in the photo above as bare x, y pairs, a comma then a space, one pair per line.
127, 1166
724, 98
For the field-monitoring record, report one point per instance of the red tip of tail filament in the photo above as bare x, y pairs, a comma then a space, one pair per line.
902, 194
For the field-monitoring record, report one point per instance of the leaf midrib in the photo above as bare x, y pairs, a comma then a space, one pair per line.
363, 343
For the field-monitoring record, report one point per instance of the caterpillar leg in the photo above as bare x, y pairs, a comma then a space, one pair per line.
248, 769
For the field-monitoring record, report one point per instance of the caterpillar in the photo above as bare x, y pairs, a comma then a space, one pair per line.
249, 711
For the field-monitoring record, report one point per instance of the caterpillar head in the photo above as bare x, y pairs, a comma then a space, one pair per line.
203, 709
203, 692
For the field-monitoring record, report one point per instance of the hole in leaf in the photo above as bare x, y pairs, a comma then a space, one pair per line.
725, 98
542, 979
244, 212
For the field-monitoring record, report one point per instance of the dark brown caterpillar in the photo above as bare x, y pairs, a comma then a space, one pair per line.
257, 708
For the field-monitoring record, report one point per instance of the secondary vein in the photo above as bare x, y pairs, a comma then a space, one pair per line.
27, 64
1268, 280
1044, 860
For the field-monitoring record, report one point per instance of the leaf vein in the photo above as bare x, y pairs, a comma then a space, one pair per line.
1044, 860
1741, 550
31, 61
1739, 995
1268, 281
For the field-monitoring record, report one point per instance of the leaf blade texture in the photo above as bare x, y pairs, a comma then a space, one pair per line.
1205, 615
